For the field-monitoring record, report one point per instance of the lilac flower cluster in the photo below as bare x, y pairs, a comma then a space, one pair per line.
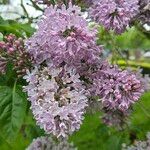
12, 51
47, 143
139, 145
63, 36
69, 72
118, 117
57, 99
57, 94
118, 89
114, 14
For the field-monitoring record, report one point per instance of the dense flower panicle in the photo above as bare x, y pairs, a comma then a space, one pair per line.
114, 14
58, 99
47, 143
118, 89
139, 145
115, 118
63, 36
12, 51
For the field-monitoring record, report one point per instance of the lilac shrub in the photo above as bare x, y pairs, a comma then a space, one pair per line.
70, 71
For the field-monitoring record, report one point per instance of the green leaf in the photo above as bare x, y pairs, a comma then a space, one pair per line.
19, 29
4, 145
12, 110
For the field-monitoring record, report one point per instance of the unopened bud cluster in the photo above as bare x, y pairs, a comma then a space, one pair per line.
12, 50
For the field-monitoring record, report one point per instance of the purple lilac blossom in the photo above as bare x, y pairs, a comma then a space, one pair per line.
47, 143
118, 89
63, 36
64, 41
114, 14
58, 99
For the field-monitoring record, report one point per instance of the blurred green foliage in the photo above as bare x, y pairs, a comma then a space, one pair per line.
132, 39
4, 1
19, 29
134, 64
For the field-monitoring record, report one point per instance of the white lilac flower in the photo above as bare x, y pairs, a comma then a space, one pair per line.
58, 99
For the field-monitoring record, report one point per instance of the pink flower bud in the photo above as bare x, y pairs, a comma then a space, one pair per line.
10, 50
2, 44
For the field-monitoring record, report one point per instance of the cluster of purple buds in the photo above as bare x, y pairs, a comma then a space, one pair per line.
12, 50
118, 89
